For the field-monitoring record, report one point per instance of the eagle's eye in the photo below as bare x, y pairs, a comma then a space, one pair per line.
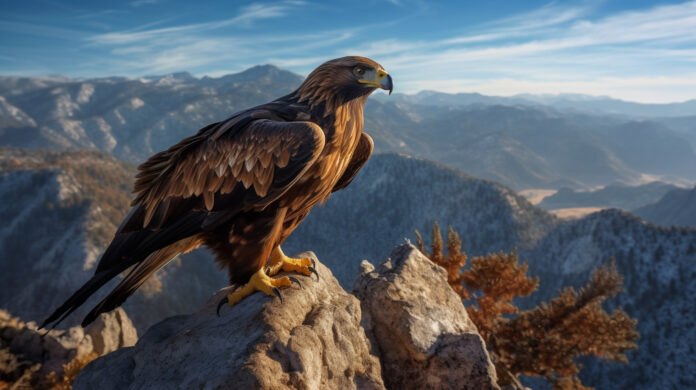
359, 70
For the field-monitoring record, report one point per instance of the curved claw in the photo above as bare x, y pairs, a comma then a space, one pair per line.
222, 302
314, 271
277, 293
294, 280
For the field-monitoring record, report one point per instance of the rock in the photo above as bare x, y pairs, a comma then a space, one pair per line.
419, 326
111, 331
311, 340
56, 348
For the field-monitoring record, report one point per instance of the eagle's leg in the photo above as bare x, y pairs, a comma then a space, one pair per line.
259, 282
280, 261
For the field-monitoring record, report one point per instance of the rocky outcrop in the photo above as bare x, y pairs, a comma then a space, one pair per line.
49, 352
408, 330
420, 327
112, 331
311, 340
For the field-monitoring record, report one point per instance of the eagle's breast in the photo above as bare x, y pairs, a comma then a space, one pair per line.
316, 184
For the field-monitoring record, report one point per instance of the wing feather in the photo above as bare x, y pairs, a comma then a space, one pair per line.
360, 156
261, 157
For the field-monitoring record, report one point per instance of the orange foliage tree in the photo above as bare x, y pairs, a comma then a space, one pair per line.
543, 341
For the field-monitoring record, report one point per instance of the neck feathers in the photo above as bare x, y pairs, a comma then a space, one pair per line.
323, 88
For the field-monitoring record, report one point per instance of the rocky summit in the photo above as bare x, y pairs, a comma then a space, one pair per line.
310, 340
420, 327
318, 337
25, 348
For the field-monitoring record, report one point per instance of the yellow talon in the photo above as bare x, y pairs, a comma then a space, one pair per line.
280, 261
258, 282
261, 280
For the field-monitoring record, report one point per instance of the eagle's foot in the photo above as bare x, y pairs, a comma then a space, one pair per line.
259, 282
280, 261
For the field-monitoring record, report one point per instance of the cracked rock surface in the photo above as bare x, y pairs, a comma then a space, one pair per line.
313, 340
419, 326
50, 350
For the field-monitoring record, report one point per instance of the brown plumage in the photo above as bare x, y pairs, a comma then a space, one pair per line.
241, 186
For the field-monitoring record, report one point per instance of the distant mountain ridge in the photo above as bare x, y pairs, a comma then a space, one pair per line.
395, 194
515, 141
572, 102
614, 196
675, 208
130, 119
533, 147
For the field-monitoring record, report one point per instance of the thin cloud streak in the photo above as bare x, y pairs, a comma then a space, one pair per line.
245, 18
565, 47
609, 49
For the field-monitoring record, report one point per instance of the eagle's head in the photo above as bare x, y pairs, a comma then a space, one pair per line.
344, 79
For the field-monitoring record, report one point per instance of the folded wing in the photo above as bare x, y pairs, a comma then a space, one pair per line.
195, 185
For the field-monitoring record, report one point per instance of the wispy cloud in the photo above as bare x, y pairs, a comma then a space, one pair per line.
190, 46
139, 3
567, 52
244, 18
644, 53
551, 14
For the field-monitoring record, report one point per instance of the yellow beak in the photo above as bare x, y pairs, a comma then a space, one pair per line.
378, 79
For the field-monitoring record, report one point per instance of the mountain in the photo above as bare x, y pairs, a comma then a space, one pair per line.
130, 119
395, 194
685, 126
63, 206
534, 147
518, 142
578, 103
60, 210
617, 196
607, 105
659, 281
676, 208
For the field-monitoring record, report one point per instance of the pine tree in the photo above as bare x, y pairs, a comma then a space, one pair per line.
546, 340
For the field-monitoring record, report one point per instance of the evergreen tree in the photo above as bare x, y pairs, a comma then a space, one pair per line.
546, 340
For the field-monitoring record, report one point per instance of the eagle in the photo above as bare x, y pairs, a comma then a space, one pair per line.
241, 186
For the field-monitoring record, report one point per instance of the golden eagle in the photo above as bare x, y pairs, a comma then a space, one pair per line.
241, 186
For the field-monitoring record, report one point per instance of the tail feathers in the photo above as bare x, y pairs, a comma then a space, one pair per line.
79, 297
117, 259
138, 276
126, 250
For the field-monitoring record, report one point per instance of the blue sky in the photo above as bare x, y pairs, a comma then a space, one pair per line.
634, 50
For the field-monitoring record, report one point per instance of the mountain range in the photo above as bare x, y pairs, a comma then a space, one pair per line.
514, 141
59, 211
676, 208
568, 102
615, 195
62, 206
47, 251
658, 268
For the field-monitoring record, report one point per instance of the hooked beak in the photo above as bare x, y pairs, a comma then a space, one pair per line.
378, 79
387, 84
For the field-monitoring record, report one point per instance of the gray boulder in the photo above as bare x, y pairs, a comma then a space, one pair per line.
419, 326
53, 349
312, 340
111, 331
